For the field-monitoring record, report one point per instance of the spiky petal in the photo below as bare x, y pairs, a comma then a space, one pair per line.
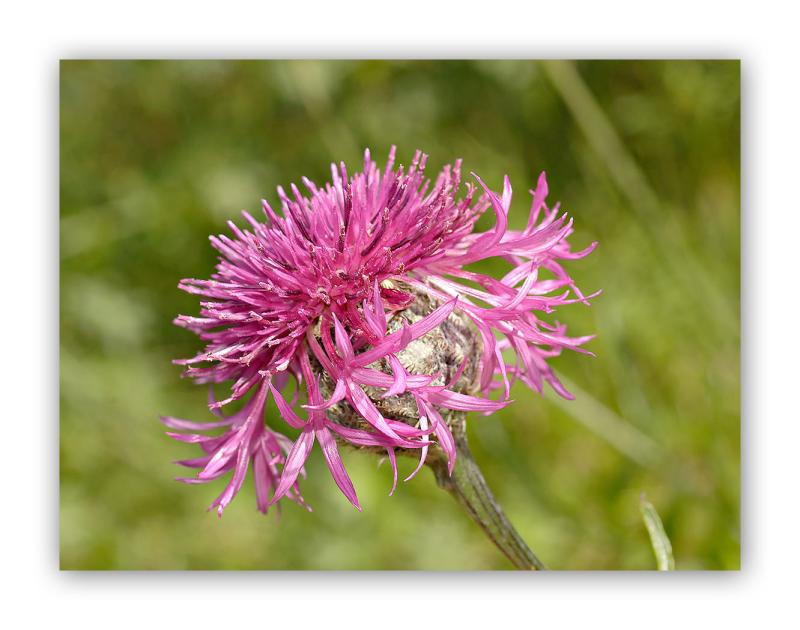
321, 279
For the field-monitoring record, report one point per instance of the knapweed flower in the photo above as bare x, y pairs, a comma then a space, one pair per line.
359, 298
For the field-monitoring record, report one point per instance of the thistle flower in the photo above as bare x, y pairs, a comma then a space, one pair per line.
359, 293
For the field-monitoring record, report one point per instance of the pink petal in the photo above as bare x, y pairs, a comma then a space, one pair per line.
400, 339
287, 413
340, 476
294, 463
359, 400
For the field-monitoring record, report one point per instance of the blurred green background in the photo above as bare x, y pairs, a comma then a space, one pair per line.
645, 155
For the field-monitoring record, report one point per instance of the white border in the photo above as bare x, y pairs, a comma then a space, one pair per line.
36, 35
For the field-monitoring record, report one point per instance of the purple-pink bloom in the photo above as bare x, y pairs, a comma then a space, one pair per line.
319, 282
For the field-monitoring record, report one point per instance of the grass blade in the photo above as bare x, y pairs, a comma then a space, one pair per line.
658, 537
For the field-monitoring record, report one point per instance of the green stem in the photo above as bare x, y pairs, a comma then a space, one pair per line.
469, 488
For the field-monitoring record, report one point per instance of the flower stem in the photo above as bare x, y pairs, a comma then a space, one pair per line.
470, 489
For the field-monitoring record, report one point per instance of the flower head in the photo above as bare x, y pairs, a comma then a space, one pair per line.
359, 293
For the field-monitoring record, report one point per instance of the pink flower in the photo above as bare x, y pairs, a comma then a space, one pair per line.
320, 295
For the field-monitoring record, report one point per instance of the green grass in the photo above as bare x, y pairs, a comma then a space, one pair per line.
644, 155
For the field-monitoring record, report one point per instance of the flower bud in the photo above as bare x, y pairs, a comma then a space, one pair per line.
450, 353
